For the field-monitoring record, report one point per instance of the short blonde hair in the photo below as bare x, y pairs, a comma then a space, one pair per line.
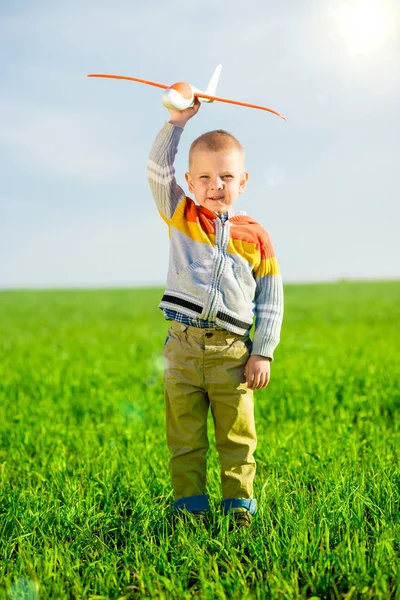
218, 140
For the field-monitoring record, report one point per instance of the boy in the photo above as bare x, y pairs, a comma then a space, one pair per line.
222, 269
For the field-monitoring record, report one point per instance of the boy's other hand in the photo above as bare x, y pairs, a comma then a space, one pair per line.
181, 117
257, 372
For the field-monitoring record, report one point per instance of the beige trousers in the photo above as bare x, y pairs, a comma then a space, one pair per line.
206, 367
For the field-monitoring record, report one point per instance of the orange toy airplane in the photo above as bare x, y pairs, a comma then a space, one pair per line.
181, 95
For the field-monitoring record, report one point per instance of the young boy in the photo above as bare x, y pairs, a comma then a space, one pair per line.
222, 270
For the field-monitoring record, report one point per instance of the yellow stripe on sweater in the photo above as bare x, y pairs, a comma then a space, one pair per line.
247, 250
194, 231
268, 266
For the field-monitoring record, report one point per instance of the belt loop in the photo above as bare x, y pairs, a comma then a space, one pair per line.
184, 329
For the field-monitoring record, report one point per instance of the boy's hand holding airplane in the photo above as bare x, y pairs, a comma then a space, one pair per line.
181, 117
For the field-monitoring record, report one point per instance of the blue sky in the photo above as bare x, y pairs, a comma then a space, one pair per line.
75, 206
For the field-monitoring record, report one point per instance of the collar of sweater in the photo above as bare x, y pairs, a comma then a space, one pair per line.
212, 214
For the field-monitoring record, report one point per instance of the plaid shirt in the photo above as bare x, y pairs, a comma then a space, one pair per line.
173, 315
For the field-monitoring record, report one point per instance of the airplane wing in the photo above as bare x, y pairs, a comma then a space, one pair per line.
160, 85
196, 93
201, 95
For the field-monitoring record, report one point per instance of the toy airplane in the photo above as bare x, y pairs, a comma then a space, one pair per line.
181, 95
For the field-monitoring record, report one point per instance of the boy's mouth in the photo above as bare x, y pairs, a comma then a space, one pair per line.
216, 198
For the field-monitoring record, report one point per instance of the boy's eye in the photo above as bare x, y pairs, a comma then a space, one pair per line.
223, 176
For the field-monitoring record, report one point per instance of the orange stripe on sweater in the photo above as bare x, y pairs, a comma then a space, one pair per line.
256, 235
192, 214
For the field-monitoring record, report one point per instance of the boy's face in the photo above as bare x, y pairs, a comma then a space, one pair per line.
216, 178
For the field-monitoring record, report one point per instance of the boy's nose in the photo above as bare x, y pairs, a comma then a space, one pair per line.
217, 183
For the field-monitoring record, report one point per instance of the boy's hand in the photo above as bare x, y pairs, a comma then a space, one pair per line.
181, 117
257, 372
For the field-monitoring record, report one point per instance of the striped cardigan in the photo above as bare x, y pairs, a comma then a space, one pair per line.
223, 272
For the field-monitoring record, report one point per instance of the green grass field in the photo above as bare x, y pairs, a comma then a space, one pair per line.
85, 492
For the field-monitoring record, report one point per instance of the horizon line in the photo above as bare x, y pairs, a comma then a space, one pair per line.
99, 287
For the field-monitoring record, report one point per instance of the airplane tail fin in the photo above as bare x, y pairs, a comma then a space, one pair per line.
212, 86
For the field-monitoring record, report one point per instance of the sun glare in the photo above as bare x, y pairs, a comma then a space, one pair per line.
365, 25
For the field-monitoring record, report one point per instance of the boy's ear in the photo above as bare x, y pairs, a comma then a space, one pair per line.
189, 182
243, 180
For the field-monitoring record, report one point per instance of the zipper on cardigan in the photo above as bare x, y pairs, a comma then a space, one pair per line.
219, 268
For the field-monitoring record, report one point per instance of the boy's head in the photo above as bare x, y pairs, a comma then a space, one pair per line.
216, 170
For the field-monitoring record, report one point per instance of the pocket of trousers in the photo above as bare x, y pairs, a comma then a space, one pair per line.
171, 333
249, 344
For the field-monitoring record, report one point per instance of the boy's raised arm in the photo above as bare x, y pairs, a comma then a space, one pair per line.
160, 165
